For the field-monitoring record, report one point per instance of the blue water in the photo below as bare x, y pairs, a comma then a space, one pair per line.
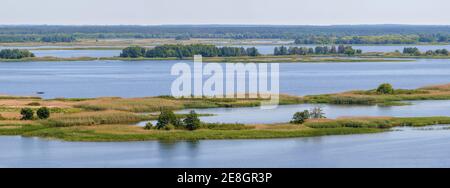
152, 78
76, 53
255, 115
406, 147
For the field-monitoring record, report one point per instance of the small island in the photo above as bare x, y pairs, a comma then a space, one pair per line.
114, 119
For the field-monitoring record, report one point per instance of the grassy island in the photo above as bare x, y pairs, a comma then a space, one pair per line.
113, 118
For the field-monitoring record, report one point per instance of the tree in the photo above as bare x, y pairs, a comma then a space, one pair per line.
317, 113
43, 113
276, 51
341, 49
300, 117
333, 50
165, 118
252, 51
385, 89
133, 52
348, 50
411, 51
15, 54
148, 126
192, 121
27, 114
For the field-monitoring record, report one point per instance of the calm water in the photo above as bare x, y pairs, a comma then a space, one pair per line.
406, 147
256, 115
151, 78
76, 53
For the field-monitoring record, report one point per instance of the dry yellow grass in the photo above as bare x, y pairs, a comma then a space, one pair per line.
10, 115
130, 104
445, 87
17, 122
94, 118
20, 103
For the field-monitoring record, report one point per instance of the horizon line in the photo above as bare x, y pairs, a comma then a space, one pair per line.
243, 25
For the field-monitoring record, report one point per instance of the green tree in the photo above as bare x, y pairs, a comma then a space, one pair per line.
300, 117
167, 117
133, 52
15, 54
192, 121
148, 126
27, 114
43, 113
385, 89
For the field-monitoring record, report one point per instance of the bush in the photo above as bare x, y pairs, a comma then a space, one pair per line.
1, 117
385, 89
192, 121
300, 117
148, 126
34, 104
169, 127
167, 117
27, 114
43, 113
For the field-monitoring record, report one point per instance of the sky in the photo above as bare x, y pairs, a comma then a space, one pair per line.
257, 12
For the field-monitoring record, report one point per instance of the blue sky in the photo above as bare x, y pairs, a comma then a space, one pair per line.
277, 12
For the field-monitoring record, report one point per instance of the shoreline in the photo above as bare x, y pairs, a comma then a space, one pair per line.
243, 59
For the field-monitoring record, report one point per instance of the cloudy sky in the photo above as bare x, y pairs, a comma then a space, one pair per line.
278, 12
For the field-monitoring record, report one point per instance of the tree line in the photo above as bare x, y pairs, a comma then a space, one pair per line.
15, 54
416, 52
322, 50
37, 38
181, 51
383, 39
362, 34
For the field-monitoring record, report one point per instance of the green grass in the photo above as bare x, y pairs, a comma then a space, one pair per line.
92, 136
371, 97
105, 133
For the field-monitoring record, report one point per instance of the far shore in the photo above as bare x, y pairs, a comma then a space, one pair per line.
244, 59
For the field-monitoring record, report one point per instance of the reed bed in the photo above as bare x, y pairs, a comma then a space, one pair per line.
93, 118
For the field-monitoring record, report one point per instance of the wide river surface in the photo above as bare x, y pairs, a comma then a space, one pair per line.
152, 78
406, 147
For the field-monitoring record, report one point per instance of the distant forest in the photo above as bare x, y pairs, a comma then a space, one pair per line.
357, 34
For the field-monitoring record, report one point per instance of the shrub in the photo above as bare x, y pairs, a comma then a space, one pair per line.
1, 117
192, 121
300, 117
169, 127
34, 104
385, 89
27, 114
167, 117
43, 113
148, 126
